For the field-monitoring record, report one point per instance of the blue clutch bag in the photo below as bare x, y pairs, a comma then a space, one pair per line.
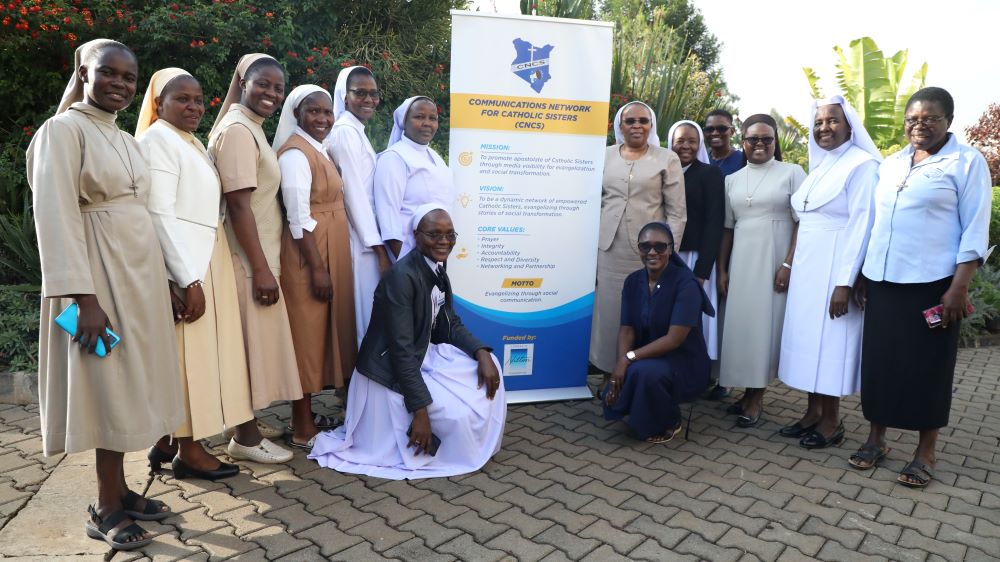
67, 321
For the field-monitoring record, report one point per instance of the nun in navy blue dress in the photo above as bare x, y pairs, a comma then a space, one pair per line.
663, 360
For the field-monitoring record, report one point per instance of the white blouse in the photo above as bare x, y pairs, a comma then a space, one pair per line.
408, 175
939, 218
296, 185
352, 152
184, 200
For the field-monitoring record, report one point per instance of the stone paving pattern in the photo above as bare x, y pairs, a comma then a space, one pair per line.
566, 485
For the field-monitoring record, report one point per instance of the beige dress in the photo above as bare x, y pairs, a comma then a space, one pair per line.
751, 340
96, 237
634, 193
325, 341
244, 160
185, 190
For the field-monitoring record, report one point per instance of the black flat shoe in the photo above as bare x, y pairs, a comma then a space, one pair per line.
797, 430
156, 458
717, 393
182, 471
746, 421
816, 440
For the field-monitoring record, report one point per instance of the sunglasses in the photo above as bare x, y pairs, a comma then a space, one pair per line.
658, 247
633, 120
755, 140
717, 129
362, 94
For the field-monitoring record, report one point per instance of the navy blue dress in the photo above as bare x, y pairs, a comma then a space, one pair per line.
655, 387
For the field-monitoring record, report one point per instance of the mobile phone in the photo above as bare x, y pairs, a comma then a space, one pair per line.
67, 321
435, 442
933, 314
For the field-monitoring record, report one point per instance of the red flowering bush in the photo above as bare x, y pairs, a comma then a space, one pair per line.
406, 44
985, 135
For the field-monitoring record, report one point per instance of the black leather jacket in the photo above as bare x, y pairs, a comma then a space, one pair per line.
400, 330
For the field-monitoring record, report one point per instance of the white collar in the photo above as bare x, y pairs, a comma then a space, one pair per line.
434, 265
348, 118
302, 133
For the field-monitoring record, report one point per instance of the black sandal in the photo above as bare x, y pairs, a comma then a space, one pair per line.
100, 528
153, 511
920, 473
323, 423
868, 456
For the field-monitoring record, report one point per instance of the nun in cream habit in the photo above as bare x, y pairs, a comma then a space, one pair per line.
90, 183
819, 353
409, 174
185, 205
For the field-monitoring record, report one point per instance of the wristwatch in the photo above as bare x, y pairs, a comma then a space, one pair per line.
630, 355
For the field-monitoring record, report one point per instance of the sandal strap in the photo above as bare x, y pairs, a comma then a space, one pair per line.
918, 470
106, 524
133, 530
868, 452
131, 499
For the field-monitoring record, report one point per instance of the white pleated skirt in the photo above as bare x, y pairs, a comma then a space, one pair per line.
373, 439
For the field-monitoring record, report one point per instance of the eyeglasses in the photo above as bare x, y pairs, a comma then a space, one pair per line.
754, 140
633, 120
717, 129
659, 247
373, 94
925, 122
438, 236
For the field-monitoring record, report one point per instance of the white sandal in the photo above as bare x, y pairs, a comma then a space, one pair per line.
264, 452
266, 431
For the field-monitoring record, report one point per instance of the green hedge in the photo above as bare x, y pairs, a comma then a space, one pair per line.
19, 313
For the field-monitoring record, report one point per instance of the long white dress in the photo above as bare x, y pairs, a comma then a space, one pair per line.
408, 175
835, 209
373, 439
354, 156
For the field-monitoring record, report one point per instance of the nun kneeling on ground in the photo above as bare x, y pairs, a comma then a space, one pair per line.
426, 399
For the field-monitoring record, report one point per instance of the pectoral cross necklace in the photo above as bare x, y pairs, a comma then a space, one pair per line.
818, 180
750, 194
129, 169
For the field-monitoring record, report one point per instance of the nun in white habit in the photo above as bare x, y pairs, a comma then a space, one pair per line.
704, 189
355, 98
821, 342
409, 174
420, 375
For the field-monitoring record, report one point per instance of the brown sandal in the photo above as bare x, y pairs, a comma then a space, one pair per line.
868, 456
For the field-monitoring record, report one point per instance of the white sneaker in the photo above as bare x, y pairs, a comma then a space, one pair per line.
264, 452
266, 431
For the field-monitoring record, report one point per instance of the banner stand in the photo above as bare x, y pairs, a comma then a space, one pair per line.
549, 394
528, 133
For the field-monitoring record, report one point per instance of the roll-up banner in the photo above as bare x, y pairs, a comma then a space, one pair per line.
529, 119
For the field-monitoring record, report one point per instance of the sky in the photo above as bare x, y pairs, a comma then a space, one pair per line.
765, 45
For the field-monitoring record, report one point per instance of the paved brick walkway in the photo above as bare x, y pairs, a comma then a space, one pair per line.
566, 485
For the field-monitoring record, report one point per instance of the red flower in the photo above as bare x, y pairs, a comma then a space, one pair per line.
6, 20
440, 110
253, 9
345, 64
309, 58
201, 43
395, 67
193, 43
175, 7
385, 55
293, 54
215, 39
325, 51
310, 71
131, 28
269, 14
67, 20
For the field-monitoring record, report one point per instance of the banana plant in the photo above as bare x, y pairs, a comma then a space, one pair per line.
873, 84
